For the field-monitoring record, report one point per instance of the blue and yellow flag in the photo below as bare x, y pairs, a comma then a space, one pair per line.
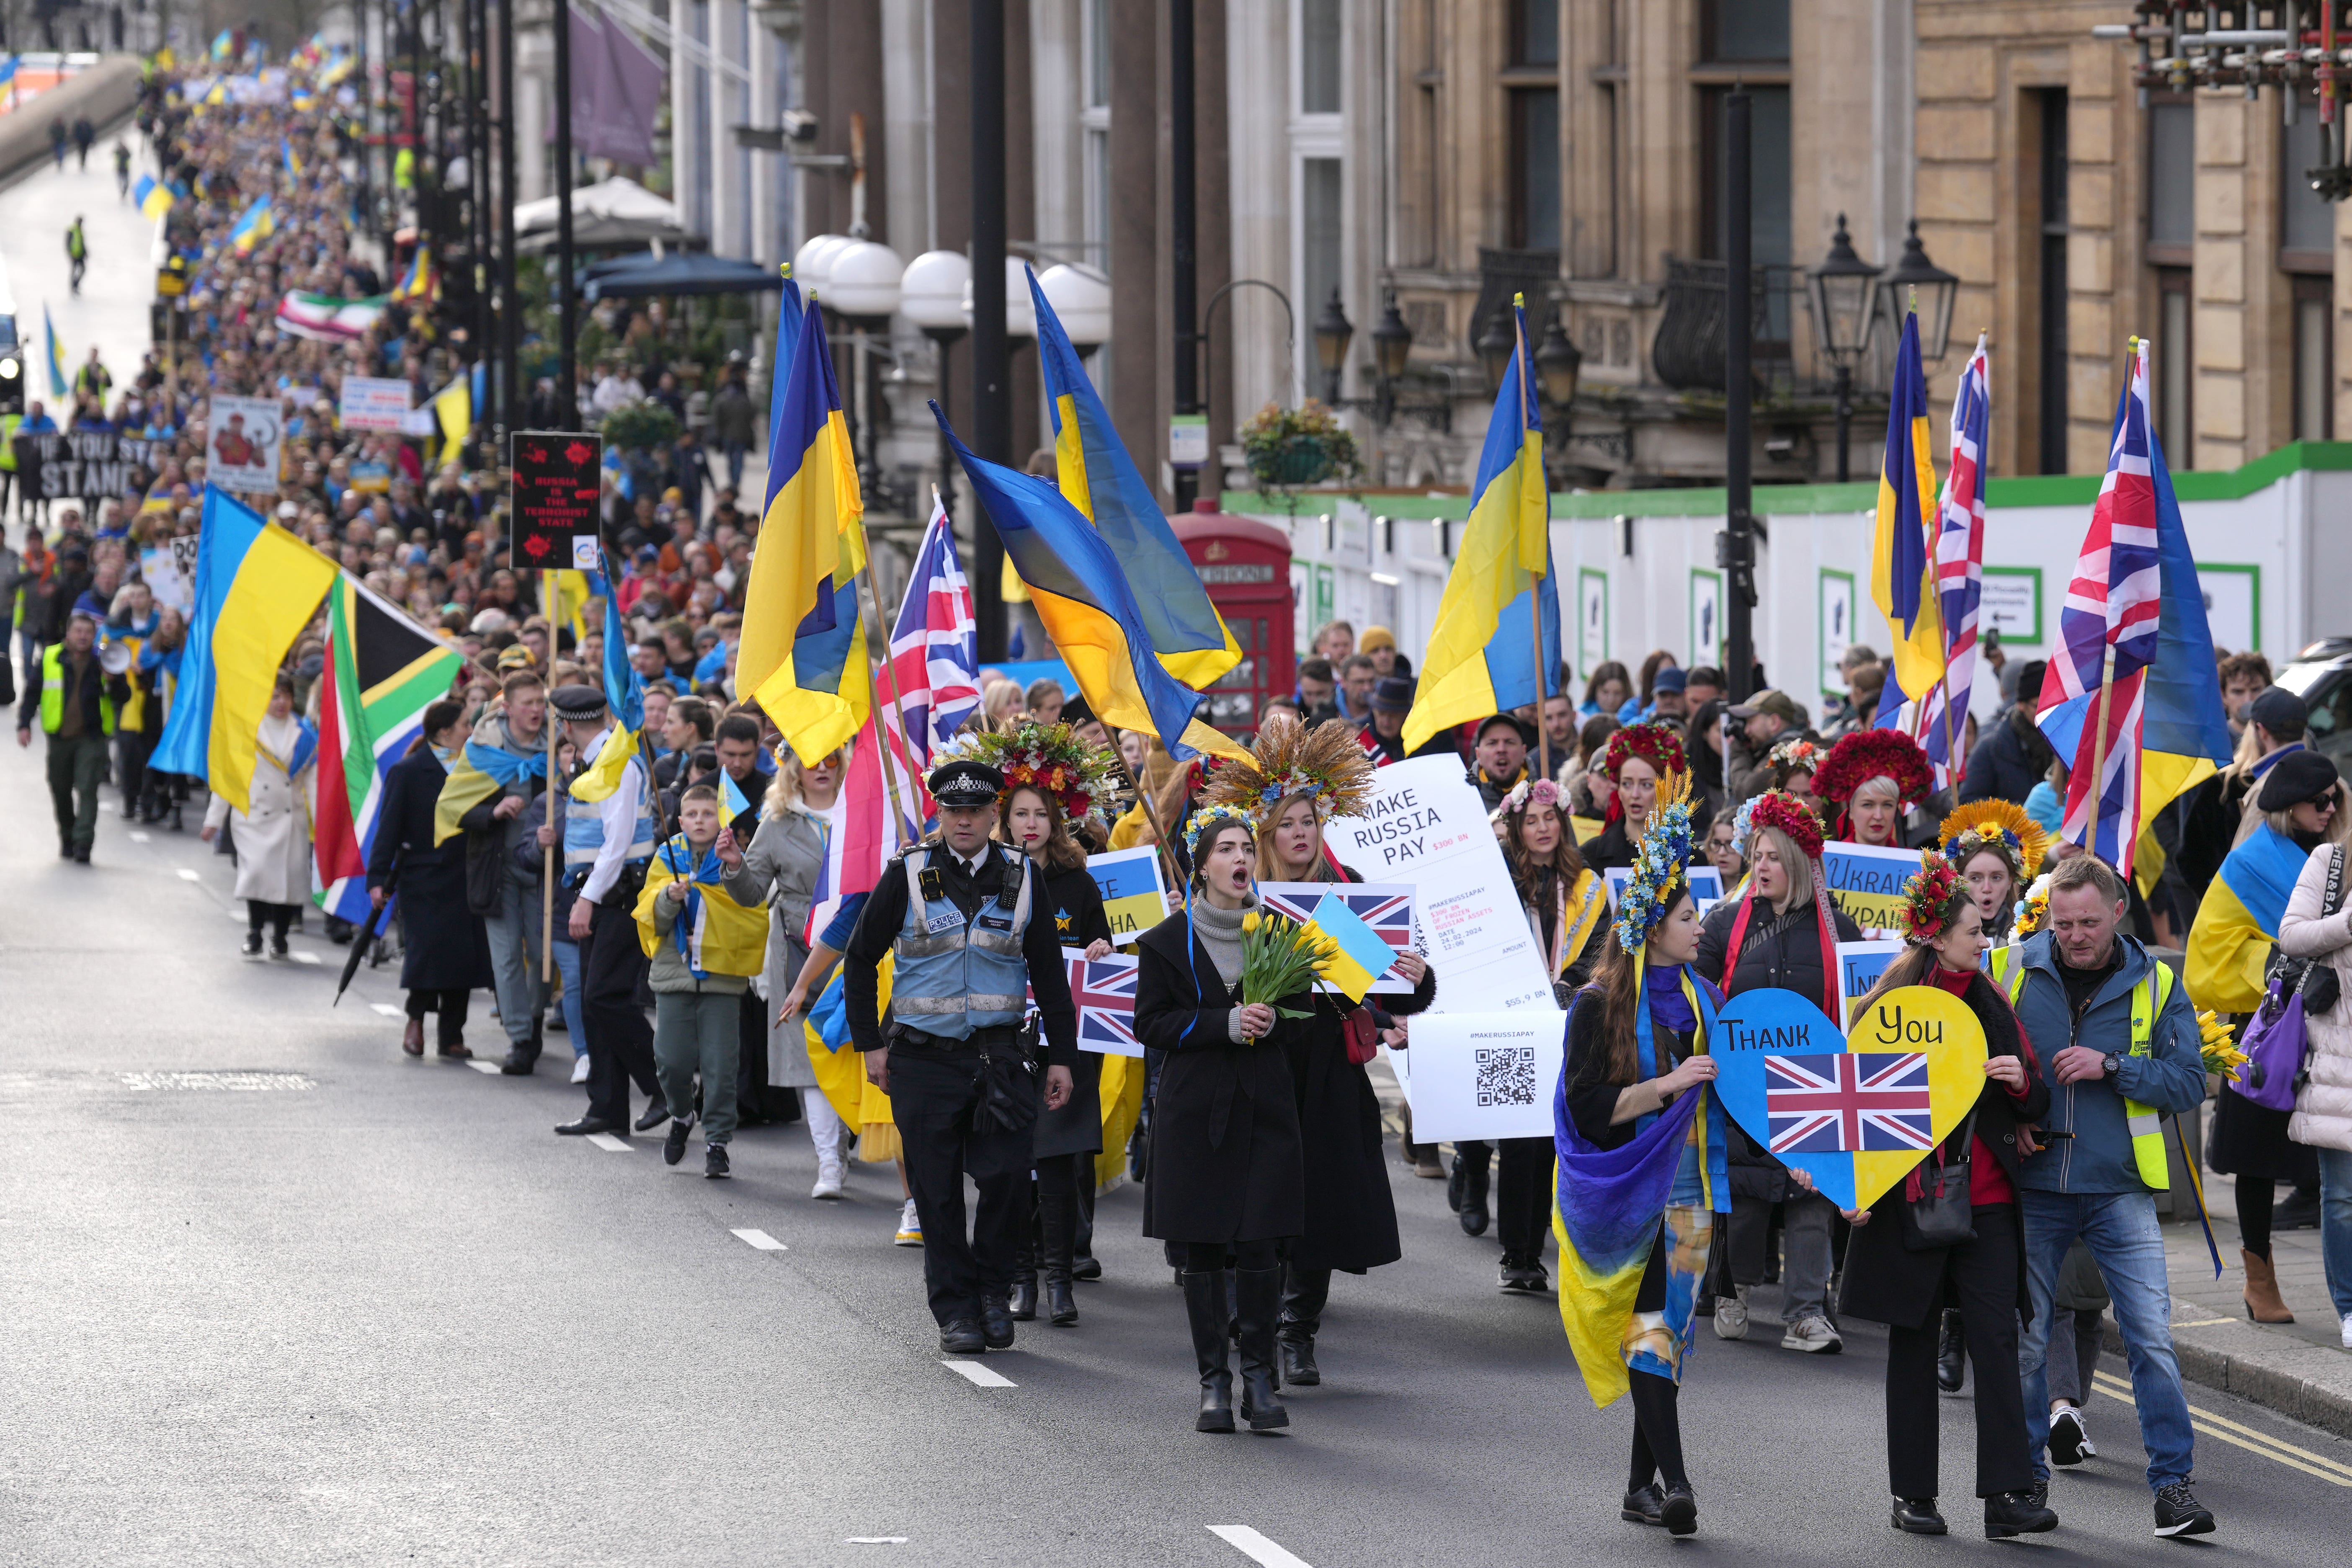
2238, 919
1089, 607
256, 224
1482, 651
153, 200
256, 588
1355, 953
285, 154
789, 312
1100, 480
624, 696
1901, 566
804, 648
56, 349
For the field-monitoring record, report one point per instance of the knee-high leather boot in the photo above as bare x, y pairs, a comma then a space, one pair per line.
1258, 1297
1303, 1295
1204, 1310
1056, 1222
1024, 1299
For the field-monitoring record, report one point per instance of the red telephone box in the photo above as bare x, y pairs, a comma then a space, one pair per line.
1245, 566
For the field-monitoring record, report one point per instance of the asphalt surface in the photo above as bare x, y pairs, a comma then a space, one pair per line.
111, 312
274, 1293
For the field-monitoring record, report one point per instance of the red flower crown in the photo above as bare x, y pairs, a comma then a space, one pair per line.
1931, 898
1654, 744
1778, 808
1866, 754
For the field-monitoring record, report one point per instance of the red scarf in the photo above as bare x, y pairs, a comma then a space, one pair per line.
1820, 915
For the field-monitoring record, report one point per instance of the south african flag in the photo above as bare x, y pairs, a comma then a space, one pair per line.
382, 672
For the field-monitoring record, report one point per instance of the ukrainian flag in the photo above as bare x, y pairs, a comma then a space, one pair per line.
286, 152
153, 200
624, 695
804, 650
2239, 919
1356, 956
1482, 654
479, 773
453, 406
256, 224
257, 586
1102, 482
1089, 607
1902, 568
59, 379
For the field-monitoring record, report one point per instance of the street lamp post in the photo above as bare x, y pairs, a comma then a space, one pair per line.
1845, 296
932, 294
1391, 350
1333, 332
1914, 277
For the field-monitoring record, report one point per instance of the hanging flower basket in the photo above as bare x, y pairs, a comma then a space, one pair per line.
1288, 448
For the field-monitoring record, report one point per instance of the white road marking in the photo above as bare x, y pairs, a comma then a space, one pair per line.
875, 1540
301, 957
386, 1008
605, 1140
1246, 1540
188, 876
479, 1065
760, 1239
985, 1377
138, 838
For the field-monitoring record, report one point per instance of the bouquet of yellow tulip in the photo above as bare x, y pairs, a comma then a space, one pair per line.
1279, 958
2221, 1053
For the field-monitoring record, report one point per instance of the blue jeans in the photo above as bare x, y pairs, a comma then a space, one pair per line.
2335, 1227
514, 962
2121, 1230
567, 964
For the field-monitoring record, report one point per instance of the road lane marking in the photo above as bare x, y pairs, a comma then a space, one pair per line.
760, 1239
985, 1377
2202, 1322
605, 1140
386, 1008
875, 1540
2273, 1448
188, 876
137, 837
300, 957
479, 1065
1246, 1540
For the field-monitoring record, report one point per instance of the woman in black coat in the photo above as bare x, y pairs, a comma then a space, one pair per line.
1889, 1280
1068, 1137
445, 953
1225, 1175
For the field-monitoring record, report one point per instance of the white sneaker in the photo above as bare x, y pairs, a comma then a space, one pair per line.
1813, 1335
2348, 1331
2070, 1439
1730, 1317
828, 1179
910, 1229
580, 1068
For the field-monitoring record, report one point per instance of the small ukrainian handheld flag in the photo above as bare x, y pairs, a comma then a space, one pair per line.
154, 200
731, 797
1357, 956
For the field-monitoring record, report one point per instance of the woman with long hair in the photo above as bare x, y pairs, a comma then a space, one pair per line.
1703, 744
1894, 1278
1791, 765
800, 811
1781, 932
1608, 694
1872, 777
1639, 755
2301, 802
1295, 780
1996, 849
1641, 1175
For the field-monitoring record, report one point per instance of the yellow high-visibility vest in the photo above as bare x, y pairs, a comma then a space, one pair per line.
2149, 996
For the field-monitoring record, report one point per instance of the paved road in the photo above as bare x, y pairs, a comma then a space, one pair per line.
275, 1293
111, 308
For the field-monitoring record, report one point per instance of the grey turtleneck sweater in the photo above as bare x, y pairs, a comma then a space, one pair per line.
1220, 932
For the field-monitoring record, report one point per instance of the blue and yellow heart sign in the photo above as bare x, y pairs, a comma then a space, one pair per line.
1856, 1111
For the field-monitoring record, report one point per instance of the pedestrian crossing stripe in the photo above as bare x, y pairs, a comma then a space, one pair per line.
759, 1239
2244, 1436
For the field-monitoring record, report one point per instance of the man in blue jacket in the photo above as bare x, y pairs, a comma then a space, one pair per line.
2118, 1043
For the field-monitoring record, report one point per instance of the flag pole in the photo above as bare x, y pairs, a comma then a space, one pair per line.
890, 690
2099, 752
548, 601
1534, 583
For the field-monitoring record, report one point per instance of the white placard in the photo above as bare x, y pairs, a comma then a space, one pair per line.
241, 438
160, 569
1482, 1075
374, 403
1705, 885
1426, 827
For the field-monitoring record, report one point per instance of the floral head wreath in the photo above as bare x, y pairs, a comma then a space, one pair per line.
1656, 744
1052, 760
1778, 808
1327, 762
1931, 899
1866, 754
1998, 826
1660, 866
2033, 909
1797, 754
1207, 817
1527, 792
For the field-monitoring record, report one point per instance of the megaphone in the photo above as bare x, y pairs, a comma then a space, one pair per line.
115, 658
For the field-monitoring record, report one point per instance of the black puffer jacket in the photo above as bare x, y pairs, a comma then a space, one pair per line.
1782, 951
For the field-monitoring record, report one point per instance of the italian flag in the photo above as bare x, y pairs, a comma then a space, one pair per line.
326, 319
382, 672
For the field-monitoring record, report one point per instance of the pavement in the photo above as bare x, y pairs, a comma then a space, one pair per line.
276, 1293
111, 312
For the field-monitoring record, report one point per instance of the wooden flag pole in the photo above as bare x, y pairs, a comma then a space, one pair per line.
890, 692
1543, 677
2099, 752
547, 858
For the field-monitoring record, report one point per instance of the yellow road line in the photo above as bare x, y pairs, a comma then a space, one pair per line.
2244, 1436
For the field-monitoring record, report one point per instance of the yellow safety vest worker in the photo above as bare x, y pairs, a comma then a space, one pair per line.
2148, 998
53, 693
9, 423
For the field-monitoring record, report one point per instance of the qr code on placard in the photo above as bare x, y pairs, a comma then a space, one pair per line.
1507, 1074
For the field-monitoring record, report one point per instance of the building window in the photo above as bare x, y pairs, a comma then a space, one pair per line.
1319, 57
2306, 223
1743, 29
1535, 32
2314, 358
1535, 168
2175, 364
1094, 124
1319, 238
2051, 166
2171, 181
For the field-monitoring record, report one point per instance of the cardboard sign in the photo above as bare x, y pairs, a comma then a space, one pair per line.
1426, 828
374, 403
1859, 964
1856, 1110
1705, 885
1866, 882
1133, 894
160, 569
557, 476
1483, 1074
1387, 909
241, 441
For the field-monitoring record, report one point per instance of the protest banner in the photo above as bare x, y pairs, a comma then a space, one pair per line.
91, 465
1705, 885
1134, 898
1859, 964
1426, 828
1103, 991
159, 568
1482, 1075
374, 403
241, 441
1866, 882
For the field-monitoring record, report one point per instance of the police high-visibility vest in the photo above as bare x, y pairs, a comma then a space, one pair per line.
2149, 996
53, 693
956, 974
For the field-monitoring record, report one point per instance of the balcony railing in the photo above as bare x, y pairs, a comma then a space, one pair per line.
1688, 352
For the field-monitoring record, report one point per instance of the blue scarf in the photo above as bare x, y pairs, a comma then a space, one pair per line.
504, 767
709, 871
1680, 999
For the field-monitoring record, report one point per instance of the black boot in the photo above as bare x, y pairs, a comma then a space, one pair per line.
1054, 1224
1951, 1354
1025, 1263
1303, 1295
1473, 1211
1258, 1293
1919, 1515
1204, 1309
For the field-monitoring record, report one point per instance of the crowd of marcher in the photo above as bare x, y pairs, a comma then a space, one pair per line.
678, 949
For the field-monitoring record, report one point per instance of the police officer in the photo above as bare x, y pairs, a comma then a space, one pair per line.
606, 847
956, 911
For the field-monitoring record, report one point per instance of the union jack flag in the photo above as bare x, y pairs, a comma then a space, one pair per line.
1103, 991
1959, 570
934, 671
1387, 909
1848, 1103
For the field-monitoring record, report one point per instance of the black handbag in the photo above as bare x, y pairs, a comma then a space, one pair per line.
2315, 978
1941, 1216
